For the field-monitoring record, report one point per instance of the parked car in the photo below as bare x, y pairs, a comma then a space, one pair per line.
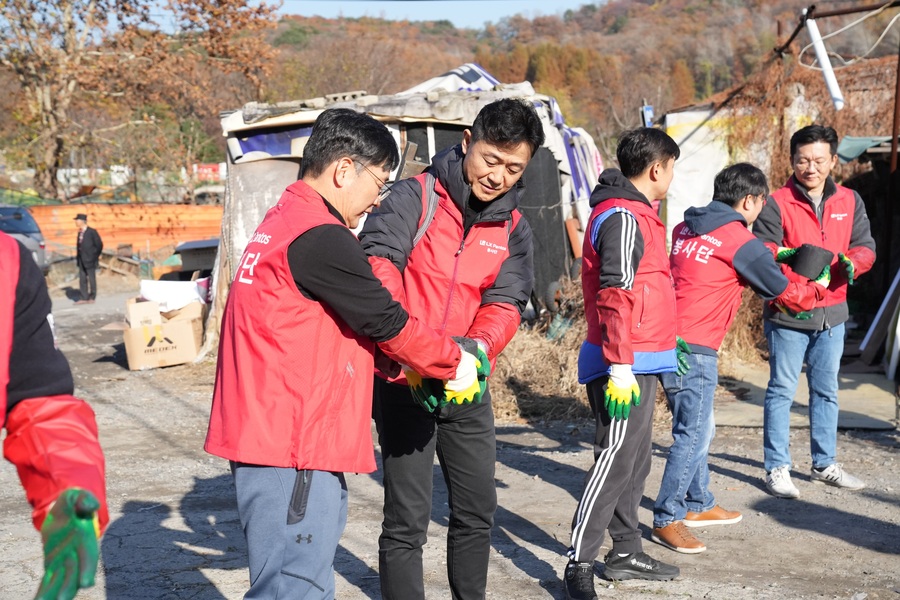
18, 222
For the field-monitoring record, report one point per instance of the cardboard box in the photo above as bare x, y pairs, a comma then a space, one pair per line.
194, 310
171, 343
139, 313
154, 339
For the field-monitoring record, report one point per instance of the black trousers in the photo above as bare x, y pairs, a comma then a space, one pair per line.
87, 282
465, 442
614, 486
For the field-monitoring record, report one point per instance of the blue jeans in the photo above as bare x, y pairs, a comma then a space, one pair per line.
685, 481
822, 351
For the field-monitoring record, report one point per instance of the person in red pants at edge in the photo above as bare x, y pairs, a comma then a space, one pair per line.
714, 257
51, 436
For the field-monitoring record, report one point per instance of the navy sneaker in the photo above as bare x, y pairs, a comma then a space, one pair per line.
638, 566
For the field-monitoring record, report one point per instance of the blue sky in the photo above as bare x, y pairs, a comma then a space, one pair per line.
462, 13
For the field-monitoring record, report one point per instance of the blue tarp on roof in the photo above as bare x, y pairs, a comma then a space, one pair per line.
851, 147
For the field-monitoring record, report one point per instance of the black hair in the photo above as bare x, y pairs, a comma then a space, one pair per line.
340, 132
639, 148
812, 134
738, 181
509, 122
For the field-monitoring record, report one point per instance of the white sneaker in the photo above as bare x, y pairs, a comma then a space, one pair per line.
835, 475
779, 484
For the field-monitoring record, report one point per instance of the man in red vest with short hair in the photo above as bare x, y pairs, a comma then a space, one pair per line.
714, 257
811, 209
629, 306
470, 274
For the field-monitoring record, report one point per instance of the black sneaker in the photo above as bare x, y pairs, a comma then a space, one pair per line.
638, 566
580, 581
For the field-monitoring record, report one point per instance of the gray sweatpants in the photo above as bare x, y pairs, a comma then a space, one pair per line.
290, 560
615, 484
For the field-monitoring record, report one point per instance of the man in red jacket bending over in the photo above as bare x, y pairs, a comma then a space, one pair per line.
51, 435
811, 209
292, 403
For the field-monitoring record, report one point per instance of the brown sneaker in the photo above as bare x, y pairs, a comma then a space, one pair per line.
714, 516
677, 537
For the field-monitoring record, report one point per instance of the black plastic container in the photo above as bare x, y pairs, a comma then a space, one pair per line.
810, 260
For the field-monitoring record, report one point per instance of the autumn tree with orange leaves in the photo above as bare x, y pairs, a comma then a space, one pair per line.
89, 69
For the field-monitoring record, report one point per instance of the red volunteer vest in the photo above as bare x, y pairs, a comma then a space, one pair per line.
801, 226
707, 288
52, 440
653, 318
293, 382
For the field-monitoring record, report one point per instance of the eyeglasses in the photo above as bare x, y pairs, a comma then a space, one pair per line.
804, 163
383, 187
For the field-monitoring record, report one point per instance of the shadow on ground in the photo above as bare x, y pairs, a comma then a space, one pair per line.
159, 549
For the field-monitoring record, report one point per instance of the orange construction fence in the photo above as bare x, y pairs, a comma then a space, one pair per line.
146, 227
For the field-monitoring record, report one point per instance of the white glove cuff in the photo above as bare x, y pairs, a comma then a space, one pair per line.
621, 375
466, 374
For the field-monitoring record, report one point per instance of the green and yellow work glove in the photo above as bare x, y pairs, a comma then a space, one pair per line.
783, 254
848, 267
70, 533
804, 315
681, 352
465, 387
824, 278
622, 391
427, 392
478, 349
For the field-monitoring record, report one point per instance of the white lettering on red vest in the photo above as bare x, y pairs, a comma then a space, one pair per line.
702, 253
245, 271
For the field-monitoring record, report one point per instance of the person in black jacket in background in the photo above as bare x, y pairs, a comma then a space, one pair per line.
89, 248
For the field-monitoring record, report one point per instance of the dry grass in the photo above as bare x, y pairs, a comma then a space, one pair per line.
536, 378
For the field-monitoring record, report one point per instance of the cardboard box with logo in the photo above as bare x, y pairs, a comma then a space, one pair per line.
161, 339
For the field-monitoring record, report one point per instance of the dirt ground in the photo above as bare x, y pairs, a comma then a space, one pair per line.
175, 533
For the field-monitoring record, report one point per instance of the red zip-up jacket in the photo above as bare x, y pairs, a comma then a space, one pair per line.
841, 226
714, 257
471, 283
